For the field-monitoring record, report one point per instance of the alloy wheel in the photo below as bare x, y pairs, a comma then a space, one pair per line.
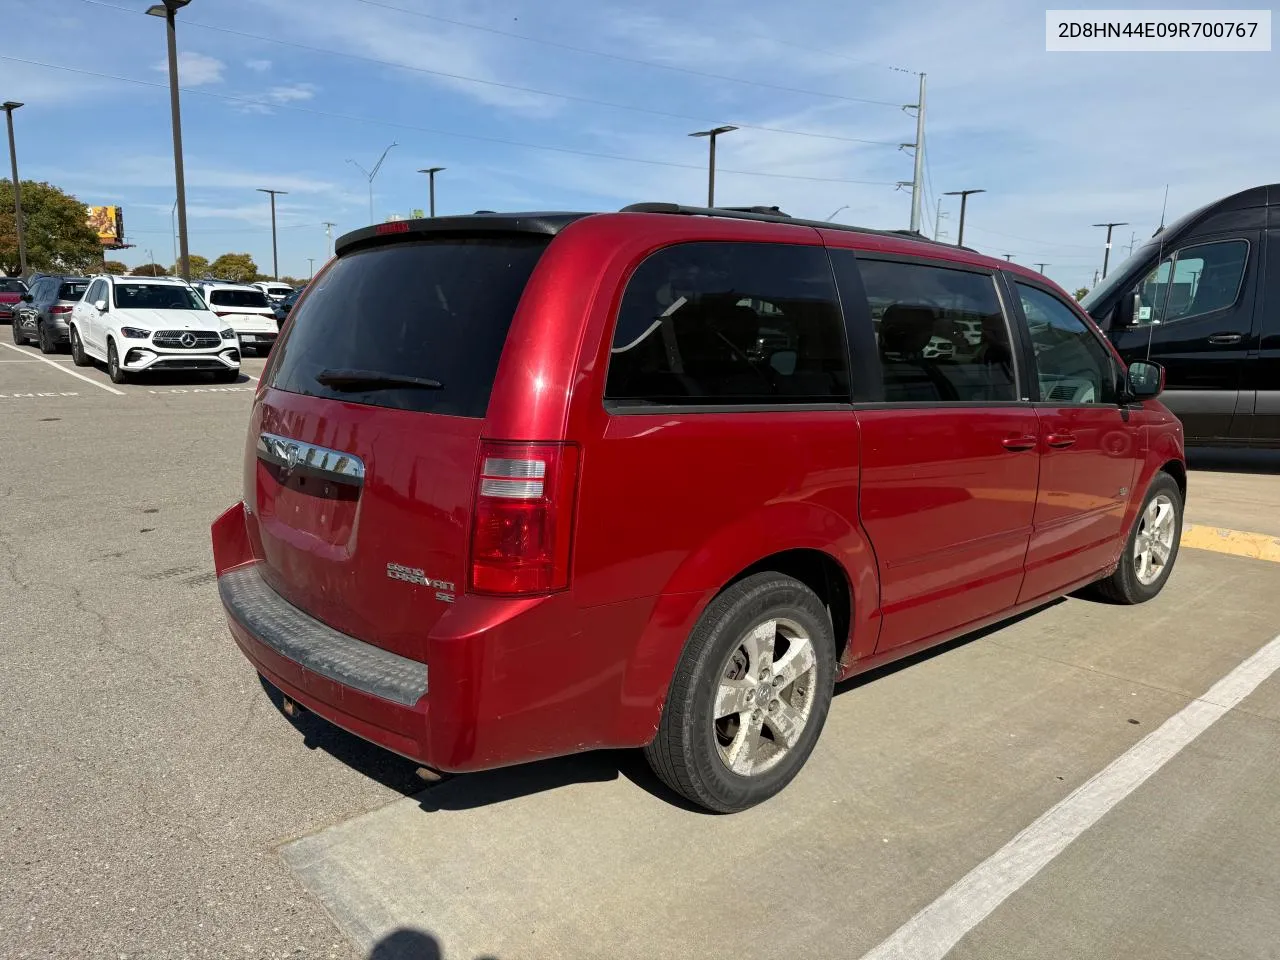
1153, 545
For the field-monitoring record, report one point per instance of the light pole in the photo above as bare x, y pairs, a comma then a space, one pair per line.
1008, 256
312, 262
431, 177
964, 199
173, 225
711, 159
837, 210
1041, 266
372, 175
169, 9
9, 107
328, 234
275, 256
1106, 254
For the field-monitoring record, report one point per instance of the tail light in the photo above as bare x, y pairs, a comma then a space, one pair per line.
523, 527
59, 309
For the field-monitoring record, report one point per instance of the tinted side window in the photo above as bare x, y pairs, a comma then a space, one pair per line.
97, 291
730, 323
940, 333
1195, 280
1071, 363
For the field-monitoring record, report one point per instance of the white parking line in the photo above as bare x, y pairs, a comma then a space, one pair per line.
932, 932
60, 369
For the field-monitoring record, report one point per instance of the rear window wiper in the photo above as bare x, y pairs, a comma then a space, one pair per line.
373, 380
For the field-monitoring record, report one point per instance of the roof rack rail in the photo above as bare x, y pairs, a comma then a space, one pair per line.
774, 215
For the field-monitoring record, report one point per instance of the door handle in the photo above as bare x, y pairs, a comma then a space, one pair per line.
1226, 338
1060, 441
1026, 442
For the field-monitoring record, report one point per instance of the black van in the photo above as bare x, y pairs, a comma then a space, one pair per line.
1202, 297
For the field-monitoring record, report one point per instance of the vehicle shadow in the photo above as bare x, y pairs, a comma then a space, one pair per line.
1228, 460
409, 944
488, 787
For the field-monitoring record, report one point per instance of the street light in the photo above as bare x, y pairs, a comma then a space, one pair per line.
837, 210
372, 174
168, 10
1106, 255
9, 107
964, 197
275, 256
711, 160
431, 176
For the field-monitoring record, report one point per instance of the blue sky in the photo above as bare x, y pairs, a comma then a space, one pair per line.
1059, 141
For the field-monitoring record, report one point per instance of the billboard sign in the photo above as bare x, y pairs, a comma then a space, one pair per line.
108, 224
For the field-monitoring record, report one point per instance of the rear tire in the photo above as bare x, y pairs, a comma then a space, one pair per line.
114, 370
42, 338
749, 696
78, 356
1150, 549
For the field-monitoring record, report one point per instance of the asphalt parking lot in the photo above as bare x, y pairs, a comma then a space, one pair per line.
973, 801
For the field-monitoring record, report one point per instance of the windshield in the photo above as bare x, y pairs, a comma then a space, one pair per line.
436, 310
12, 285
238, 298
156, 296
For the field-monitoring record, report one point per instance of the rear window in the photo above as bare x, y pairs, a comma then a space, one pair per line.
12, 285
238, 298
436, 310
73, 291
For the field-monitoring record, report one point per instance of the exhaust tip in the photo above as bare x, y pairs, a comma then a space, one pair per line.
291, 709
428, 775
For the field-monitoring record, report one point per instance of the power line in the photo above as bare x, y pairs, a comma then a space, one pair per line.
497, 83
621, 58
190, 91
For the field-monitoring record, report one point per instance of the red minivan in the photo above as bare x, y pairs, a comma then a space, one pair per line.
524, 485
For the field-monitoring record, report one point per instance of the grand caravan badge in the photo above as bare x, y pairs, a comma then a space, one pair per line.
444, 589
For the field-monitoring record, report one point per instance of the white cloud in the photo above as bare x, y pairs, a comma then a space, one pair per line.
291, 93
195, 69
258, 66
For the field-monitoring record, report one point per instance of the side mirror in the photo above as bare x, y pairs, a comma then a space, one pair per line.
27, 298
100, 306
1145, 380
783, 362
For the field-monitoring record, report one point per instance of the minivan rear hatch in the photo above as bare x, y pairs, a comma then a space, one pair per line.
362, 458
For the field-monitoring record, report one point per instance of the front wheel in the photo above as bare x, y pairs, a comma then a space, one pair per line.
78, 356
114, 370
15, 331
749, 696
1152, 547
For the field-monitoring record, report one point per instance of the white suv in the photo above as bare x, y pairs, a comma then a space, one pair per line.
134, 324
246, 309
274, 289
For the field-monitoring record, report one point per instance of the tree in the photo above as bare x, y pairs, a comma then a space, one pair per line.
199, 266
292, 281
237, 267
1080, 292
59, 238
150, 270
115, 267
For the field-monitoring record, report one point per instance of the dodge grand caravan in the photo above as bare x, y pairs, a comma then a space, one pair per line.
524, 485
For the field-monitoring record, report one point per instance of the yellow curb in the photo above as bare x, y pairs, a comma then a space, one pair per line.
1259, 546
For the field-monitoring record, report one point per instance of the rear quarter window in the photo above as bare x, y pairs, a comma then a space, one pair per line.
435, 309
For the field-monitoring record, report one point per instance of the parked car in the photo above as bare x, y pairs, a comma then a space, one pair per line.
43, 315
142, 324
568, 491
246, 308
11, 291
282, 307
1198, 297
274, 290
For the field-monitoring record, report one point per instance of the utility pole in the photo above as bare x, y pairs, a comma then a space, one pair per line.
1041, 266
1133, 242
1106, 255
964, 199
169, 10
372, 174
431, 177
312, 262
711, 158
9, 107
328, 232
917, 180
275, 255
937, 222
